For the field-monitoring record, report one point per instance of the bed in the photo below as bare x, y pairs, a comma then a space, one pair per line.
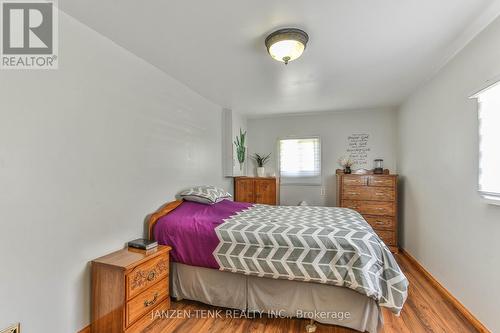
320, 263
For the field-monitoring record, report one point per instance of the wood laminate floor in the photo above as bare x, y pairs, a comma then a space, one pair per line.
425, 311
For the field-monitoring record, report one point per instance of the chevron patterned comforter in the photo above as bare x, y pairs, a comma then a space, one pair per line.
317, 244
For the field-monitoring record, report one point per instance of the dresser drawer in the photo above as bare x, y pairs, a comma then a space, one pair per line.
381, 222
368, 193
352, 180
370, 207
146, 301
146, 274
381, 181
389, 237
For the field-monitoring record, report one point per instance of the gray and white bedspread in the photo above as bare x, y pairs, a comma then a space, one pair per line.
318, 244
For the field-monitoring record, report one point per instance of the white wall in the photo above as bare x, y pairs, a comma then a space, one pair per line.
446, 226
333, 128
86, 152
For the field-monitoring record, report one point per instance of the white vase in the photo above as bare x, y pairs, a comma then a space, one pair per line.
261, 172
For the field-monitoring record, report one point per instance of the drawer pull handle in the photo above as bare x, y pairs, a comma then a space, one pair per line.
151, 276
379, 194
354, 193
151, 302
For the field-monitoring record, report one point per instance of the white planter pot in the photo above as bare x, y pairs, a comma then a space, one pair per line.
261, 172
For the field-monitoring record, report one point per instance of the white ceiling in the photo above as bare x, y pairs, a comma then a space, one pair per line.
361, 54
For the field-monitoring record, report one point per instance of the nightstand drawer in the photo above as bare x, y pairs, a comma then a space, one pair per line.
381, 222
146, 301
148, 319
368, 193
379, 208
146, 274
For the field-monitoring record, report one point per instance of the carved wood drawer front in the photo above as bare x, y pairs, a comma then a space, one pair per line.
355, 180
146, 301
389, 237
381, 181
381, 222
371, 207
146, 274
368, 193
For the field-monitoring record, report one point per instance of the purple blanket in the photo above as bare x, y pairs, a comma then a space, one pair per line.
189, 229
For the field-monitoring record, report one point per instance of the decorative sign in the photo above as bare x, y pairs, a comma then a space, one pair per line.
358, 149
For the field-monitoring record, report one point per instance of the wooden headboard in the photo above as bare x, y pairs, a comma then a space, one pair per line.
162, 211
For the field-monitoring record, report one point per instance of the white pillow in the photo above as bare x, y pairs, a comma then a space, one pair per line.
205, 194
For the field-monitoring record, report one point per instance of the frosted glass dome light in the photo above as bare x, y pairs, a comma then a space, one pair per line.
286, 45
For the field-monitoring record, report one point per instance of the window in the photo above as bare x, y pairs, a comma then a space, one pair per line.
489, 142
300, 161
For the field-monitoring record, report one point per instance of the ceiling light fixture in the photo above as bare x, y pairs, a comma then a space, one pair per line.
286, 45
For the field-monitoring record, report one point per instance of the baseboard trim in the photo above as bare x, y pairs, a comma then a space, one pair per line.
446, 294
85, 330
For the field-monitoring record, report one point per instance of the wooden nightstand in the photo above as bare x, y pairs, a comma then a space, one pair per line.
127, 285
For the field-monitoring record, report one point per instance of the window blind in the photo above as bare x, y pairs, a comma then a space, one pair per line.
489, 142
300, 161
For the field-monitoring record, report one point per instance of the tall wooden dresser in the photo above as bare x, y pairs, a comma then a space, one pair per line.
374, 197
127, 287
261, 190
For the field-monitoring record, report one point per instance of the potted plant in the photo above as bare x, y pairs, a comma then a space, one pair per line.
346, 163
261, 160
240, 148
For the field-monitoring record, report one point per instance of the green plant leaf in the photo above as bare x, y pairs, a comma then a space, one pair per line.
261, 160
240, 147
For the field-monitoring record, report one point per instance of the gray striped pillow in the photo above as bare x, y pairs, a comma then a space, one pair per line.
205, 194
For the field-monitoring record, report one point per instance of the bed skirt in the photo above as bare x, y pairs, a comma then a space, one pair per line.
324, 303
